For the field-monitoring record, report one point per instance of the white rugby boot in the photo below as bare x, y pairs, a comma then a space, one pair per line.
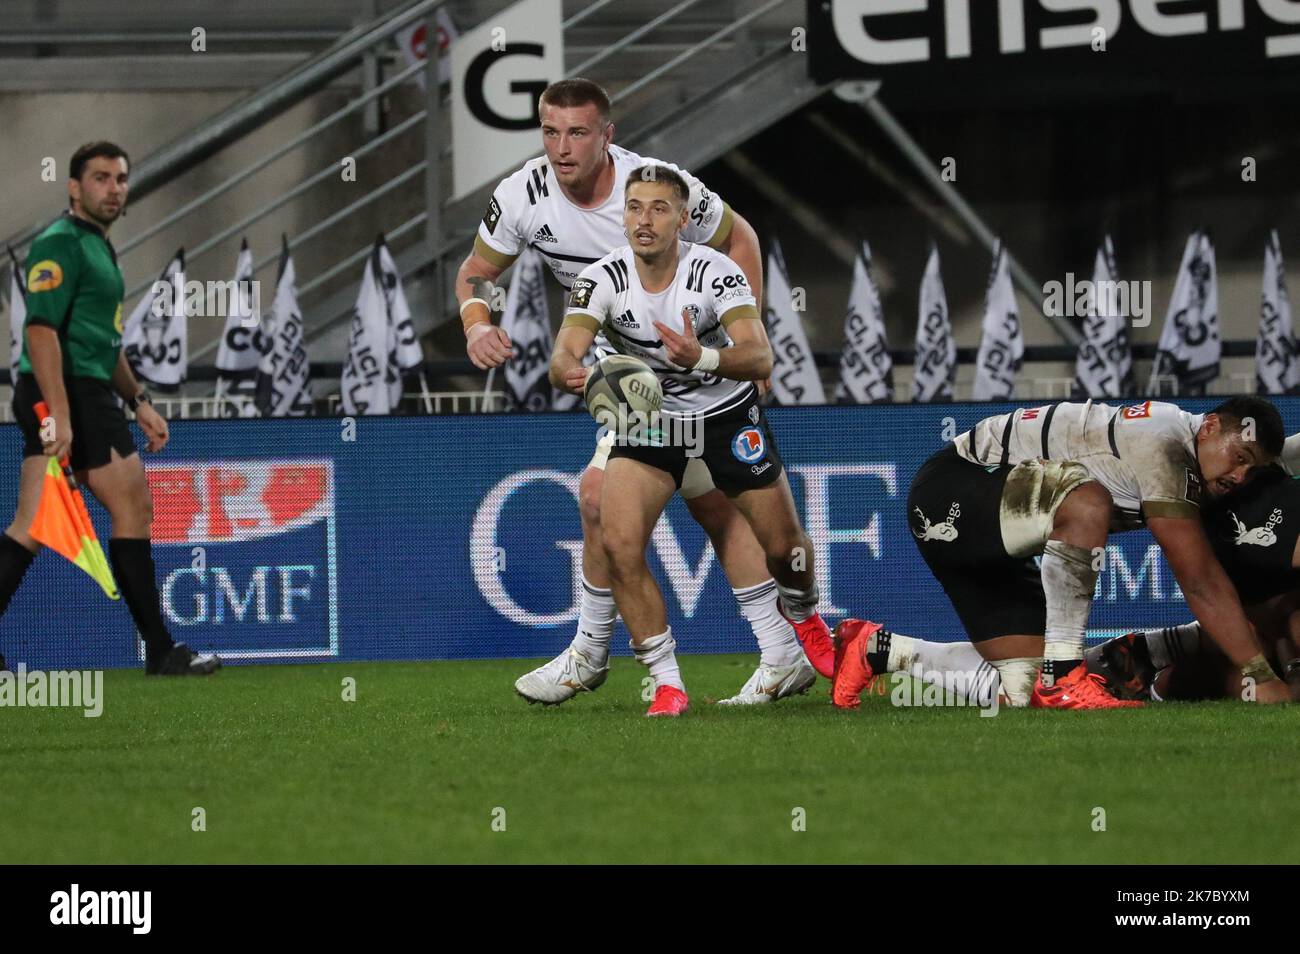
769, 683
562, 678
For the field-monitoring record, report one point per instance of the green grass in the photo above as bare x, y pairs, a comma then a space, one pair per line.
413, 769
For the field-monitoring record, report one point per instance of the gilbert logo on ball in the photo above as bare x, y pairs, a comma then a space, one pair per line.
620, 387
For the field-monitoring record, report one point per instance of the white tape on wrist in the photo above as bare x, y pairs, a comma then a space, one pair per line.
709, 359
469, 301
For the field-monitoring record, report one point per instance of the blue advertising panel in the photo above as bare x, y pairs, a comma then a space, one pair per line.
459, 537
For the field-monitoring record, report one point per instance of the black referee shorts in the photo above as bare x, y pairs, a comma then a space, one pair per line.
954, 512
99, 425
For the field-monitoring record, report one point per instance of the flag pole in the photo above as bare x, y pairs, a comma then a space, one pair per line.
482, 404
424, 393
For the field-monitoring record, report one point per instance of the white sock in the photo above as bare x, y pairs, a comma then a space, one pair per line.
1068, 582
596, 616
905, 652
1018, 677
799, 604
1173, 643
980, 682
777, 643
656, 653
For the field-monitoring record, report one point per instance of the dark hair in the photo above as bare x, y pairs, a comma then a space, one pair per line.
575, 92
657, 173
1269, 430
93, 150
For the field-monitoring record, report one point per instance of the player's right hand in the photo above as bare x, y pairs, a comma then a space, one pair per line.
487, 345
575, 379
56, 436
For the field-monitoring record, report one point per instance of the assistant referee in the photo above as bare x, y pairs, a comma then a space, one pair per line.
72, 358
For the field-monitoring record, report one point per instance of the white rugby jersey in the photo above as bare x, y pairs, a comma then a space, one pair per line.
608, 298
1290, 459
529, 208
1144, 454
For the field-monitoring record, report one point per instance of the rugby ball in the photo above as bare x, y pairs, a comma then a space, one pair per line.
621, 381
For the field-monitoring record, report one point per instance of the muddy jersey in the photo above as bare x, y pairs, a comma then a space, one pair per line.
1144, 454
1254, 532
529, 208
608, 298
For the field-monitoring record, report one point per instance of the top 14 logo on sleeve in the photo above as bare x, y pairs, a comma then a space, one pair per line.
246, 554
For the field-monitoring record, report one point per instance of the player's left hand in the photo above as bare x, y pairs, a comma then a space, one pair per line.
154, 426
575, 380
683, 350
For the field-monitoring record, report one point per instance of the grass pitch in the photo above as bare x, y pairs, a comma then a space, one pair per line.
416, 768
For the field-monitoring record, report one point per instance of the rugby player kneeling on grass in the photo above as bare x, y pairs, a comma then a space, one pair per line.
687, 312
1255, 533
73, 360
1049, 481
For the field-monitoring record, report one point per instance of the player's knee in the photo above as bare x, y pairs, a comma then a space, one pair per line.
625, 551
789, 548
1089, 502
142, 505
589, 498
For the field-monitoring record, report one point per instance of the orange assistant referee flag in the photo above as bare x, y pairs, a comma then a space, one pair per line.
62, 521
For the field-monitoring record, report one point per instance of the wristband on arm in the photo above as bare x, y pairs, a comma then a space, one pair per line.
465, 304
709, 359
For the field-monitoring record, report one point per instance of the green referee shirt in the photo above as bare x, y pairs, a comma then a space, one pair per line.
75, 287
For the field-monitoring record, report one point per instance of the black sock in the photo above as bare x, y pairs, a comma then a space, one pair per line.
878, 659
1055, 669
14, 561
133, 566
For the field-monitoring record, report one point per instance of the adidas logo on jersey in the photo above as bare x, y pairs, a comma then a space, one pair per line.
625, 320
544, 234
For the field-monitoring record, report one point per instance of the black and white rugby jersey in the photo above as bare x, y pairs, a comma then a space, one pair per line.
608, 298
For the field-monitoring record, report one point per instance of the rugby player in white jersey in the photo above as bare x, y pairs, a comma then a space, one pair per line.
568, 204
1052, 481
686, 311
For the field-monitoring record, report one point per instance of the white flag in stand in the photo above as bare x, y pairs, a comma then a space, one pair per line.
1277, 364
17, 315
382, 345
526, 320
242, 342
155, 339
935, 364
283, 372
1103, 366
405, 342
866, 366
794, 373
1002, 347
1189, 347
